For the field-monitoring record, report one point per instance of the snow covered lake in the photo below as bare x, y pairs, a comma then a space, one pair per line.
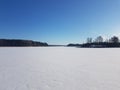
59, 68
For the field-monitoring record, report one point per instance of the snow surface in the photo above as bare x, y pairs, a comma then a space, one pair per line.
59, 68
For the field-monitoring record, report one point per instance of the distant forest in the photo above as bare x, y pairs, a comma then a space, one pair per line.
99, 43
19, 42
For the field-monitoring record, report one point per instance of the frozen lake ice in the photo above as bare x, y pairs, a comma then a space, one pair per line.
59, 68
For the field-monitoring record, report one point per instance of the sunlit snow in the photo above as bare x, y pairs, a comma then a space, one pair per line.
59, 68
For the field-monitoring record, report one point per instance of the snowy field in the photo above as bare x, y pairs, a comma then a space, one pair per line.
59, 68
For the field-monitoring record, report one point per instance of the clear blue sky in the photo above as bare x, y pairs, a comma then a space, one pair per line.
59, 21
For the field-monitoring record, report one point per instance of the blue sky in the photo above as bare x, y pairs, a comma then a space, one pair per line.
59, 21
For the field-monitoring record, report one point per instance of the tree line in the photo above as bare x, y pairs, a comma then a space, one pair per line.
99, 42
19, 42
100, 39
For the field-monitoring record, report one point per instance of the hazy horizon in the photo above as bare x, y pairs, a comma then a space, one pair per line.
59, 21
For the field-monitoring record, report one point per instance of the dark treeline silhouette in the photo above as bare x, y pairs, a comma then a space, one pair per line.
99, 43
72, 45
19, 42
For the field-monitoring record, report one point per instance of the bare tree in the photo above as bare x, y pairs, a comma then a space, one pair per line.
89, 40
114, 39
99, 39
